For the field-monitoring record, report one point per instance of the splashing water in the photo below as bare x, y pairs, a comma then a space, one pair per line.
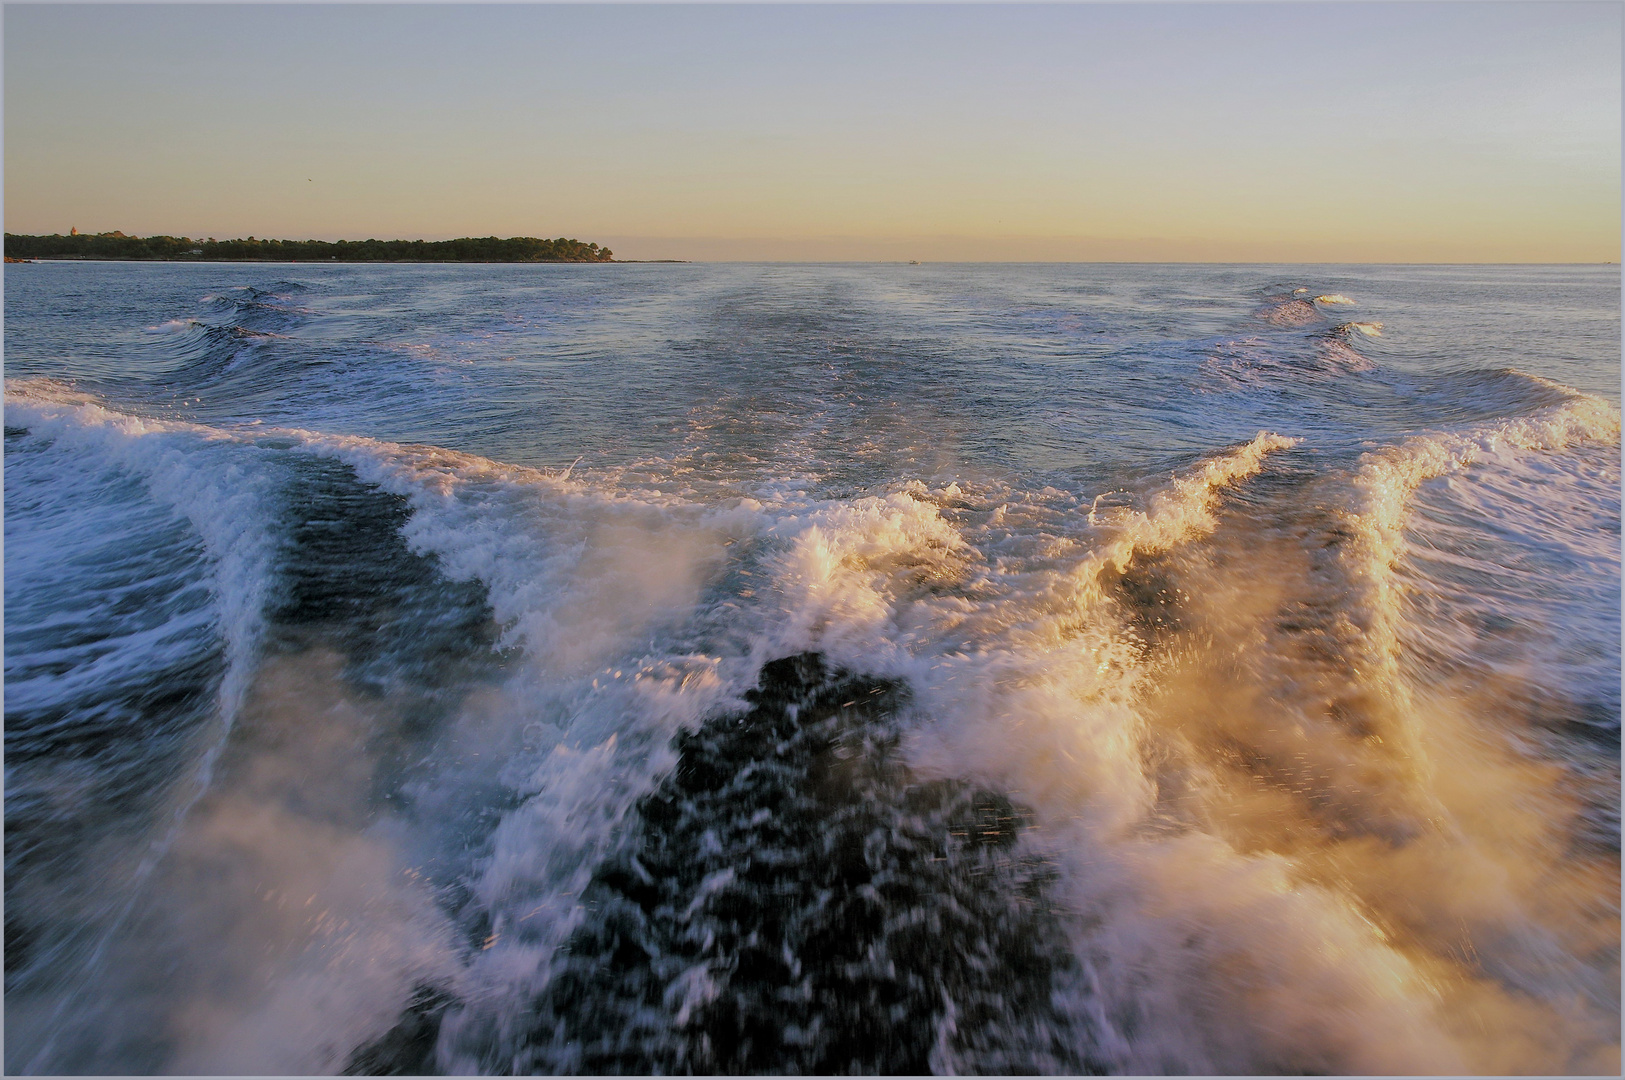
812, 669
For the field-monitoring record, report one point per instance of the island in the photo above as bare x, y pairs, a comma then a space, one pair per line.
116, 245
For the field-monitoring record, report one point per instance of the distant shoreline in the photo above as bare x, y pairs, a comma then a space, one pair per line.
346, 262
117, 247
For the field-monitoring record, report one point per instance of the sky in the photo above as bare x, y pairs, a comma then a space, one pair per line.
1209, 132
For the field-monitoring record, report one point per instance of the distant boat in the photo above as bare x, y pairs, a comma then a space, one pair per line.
914, 262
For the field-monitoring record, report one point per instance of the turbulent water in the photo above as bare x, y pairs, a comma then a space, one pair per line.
812, 669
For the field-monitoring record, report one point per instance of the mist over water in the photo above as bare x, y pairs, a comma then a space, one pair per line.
812, 669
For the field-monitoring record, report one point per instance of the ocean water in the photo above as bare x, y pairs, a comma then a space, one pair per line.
812, 669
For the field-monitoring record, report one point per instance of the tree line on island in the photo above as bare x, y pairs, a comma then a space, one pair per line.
115, 245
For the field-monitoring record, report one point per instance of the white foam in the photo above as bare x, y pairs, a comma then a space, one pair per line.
71, 638
574, 574
1184, 510
1048, 702
1324, 745
213, 482
1387, 478
200, 472
1205, 955
1048, 705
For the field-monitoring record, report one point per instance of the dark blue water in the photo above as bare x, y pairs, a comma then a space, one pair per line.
636, 668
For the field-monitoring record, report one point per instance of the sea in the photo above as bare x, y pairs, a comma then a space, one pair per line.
812, 669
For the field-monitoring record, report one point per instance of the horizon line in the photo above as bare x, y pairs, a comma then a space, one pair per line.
826, 262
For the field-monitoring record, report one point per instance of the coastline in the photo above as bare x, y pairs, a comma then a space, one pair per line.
116, 246
343, 262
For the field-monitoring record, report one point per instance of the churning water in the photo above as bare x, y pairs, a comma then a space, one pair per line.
812, 669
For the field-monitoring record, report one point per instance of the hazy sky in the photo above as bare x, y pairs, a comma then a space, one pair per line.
1212, 132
